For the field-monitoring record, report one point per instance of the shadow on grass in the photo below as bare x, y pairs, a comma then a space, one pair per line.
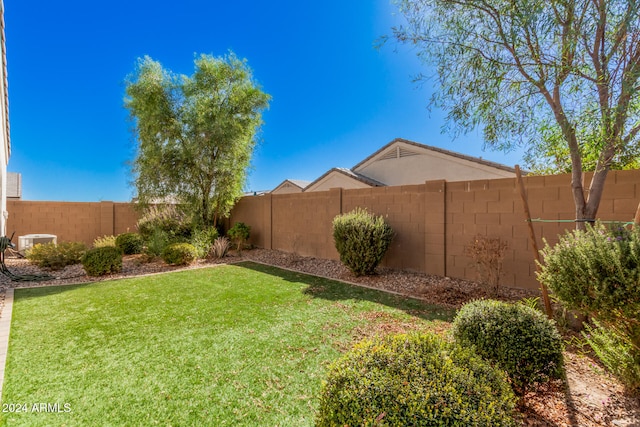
335, 290
50, 289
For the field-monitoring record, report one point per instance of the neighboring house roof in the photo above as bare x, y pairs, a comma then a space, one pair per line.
255, 193
434, 149
404, 162
291, 186
14, 185
358, 179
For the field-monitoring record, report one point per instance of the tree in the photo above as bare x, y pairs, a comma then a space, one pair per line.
559, 76
195, 135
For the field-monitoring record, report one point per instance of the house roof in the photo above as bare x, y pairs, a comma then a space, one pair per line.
350, 174
438, 150
299, 183
5, 81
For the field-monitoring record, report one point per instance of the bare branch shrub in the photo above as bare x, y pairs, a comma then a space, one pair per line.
487, 254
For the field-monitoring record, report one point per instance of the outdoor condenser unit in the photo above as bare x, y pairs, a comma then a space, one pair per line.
30, 240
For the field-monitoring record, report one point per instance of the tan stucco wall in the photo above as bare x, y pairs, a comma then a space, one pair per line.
429, 166
336, 180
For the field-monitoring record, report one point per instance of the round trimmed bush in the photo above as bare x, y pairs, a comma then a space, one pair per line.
129, 243
415, 379
101, 261
514, 337
361, 239
179, 254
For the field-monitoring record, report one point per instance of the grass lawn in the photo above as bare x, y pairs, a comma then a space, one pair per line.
242, 345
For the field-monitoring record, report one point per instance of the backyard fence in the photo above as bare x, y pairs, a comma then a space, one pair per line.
433, 222
70, 221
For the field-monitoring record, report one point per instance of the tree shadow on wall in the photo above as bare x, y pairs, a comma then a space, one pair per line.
335, 290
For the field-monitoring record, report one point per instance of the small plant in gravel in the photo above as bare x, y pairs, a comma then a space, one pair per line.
487, 254
514, 337
155, 244
361, 239
101, 261
203, 239
129, 243
56, 256
616, 353
179, 254
103, 241
220, 247
239, 233
414, 380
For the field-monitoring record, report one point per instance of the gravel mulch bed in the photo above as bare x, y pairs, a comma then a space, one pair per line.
589, 397
449, 292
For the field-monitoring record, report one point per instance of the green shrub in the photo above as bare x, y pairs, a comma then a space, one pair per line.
597, 272
167, 218
361, 239
616, 353
129, 243
55, 257
155, 244
202, 240
412, 380
101, 261
239, 233
514, 337
179, 254
103, 241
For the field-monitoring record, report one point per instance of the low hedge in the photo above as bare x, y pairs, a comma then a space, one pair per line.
514, 337
414, 380
103, 260
129, 243
56, 256
179, 254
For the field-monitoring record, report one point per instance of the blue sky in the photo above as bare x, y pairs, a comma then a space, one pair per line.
335, 98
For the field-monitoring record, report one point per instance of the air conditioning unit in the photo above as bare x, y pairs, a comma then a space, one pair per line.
30, 240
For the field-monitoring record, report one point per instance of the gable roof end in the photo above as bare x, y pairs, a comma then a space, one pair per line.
351, 174
439, 150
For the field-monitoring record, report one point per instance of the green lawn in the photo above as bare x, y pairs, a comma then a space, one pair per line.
242, 345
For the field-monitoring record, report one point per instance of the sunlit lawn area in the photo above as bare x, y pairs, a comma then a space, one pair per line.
243, 345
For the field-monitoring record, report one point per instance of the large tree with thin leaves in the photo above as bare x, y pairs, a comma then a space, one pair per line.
195, 135
558, 76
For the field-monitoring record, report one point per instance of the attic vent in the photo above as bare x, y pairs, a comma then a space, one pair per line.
286, 185
391, 154
403, 152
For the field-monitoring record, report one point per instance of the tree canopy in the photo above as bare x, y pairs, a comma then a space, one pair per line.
195, 135
557, 76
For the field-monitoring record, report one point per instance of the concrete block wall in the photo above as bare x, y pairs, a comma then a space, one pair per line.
69, 221
434, 222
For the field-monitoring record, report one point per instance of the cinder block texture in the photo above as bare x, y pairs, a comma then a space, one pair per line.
434, 222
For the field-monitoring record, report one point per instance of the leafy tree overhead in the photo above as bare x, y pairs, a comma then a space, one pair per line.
559, 76
195, 135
